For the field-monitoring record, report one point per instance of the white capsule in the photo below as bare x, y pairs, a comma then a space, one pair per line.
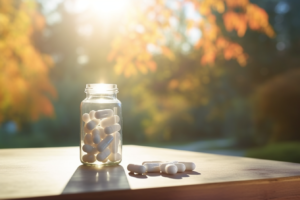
181, 167
111, 129
92, 124
96, 136
152, 162
90, 158
86, 130
104, 143
190, 166
162, 166
103, 155
114, 145
110, 121
102, 134
85, 117
95, 150
88, 139
152, 167
87, 148
140, 169
103, 113
113, 157
171, 169
92, 114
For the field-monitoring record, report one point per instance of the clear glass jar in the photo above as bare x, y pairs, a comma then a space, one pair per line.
101, 125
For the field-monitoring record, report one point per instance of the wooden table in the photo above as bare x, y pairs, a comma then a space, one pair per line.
56, 173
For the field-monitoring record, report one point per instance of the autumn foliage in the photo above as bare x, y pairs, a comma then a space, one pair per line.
152, 26
25, 87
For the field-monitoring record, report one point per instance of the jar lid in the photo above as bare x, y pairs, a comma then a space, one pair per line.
101, 88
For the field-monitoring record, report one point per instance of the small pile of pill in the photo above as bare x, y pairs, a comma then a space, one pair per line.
167, 167
101, 136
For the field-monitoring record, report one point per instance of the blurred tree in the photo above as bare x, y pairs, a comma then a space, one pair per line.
25, 87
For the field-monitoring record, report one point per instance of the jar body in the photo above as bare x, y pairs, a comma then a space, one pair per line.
101, 130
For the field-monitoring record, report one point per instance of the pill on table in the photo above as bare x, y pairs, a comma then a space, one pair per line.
190, 166
90, 158
92, 114
162, 166
104, 143
88, 139
113, 157
103, 155
171, 169
92, 124
152, 167
181, 167
152, 162
96, 136
110, 121
114, 145
111, 129
103, 113
85, 117
140, 169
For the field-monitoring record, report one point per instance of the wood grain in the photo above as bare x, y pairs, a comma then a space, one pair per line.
57, 173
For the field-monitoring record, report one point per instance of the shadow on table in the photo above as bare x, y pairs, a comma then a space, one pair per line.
96, 179
175, 176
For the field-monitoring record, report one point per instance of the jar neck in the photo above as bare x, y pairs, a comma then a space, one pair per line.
101, 96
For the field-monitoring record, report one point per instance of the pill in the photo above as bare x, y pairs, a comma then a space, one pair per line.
92, 114
86, 130
103, 155
114, 145
115, 110
111, 129
110, 121
181, 167
103, 113
96, 136
190, 166
85, 117
162, 166
113, 157
88, 139
90, 158
87, 148
171, 169
152, 162
104, 143
102, 134
152, 167
95, 150
92, 124
140, 169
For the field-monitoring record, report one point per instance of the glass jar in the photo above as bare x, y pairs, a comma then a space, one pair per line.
101, 125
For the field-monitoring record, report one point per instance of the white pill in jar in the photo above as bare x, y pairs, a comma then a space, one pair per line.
171, 169
104, 143
103, 155
181, 167
152, 167
88, 139
111, 129
92, 124
85, 117
114, 145
96, 136
113, 157
190, 166
90, 158
110, 121
140, 169
87, 148
92, 114
102, 134
103, 113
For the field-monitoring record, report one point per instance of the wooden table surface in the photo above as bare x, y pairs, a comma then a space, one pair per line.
50, 173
